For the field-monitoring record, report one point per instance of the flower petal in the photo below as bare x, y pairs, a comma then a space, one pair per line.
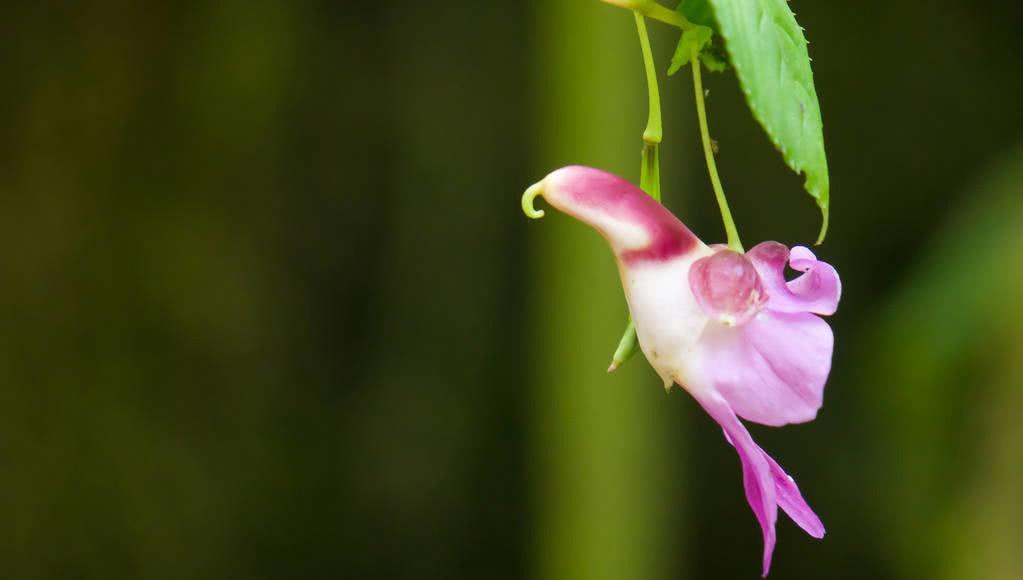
772, 369
766, 483
727, 287
638, 228
817, 290
792, 501
756, 470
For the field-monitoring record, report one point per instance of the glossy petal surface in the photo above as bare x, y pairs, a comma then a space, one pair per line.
727, 287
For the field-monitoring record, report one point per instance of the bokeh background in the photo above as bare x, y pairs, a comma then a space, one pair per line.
270, 308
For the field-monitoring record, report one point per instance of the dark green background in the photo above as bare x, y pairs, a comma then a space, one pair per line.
269, 307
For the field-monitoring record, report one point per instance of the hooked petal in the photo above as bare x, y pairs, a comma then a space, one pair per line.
638, 228
817, 290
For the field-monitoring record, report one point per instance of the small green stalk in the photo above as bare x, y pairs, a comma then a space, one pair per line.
708, 153
649, 172
652, 133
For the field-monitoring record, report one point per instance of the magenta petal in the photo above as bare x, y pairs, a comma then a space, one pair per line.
792, 501
619, 210
766, 483
756, 470
772, 369
817, 290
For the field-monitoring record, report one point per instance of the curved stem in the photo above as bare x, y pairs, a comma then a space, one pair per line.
708, 153
653, 131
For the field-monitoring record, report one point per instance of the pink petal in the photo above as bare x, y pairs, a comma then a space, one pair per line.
772, 369
756, 471
766, 484
727, 287
817, 290
792, 501
619, 211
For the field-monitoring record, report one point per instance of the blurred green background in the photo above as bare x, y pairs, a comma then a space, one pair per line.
270, 308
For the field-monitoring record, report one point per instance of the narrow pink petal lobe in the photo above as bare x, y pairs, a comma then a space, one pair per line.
766, 484
772, 369
817, 290
792, 501
756, 471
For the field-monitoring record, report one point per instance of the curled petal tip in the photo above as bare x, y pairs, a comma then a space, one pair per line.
527, 201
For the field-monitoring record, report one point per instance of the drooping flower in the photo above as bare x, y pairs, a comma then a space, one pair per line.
725, 326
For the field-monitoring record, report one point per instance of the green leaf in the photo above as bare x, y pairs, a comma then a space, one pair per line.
712, 53
768, 51
714, 57
698, 12
698, 36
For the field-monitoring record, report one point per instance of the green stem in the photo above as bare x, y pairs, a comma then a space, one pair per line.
649, 171
708, 153
652, 133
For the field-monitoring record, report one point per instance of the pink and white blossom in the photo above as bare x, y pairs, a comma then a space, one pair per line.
725, 326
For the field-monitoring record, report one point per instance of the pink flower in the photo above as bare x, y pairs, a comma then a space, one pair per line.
725, 326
